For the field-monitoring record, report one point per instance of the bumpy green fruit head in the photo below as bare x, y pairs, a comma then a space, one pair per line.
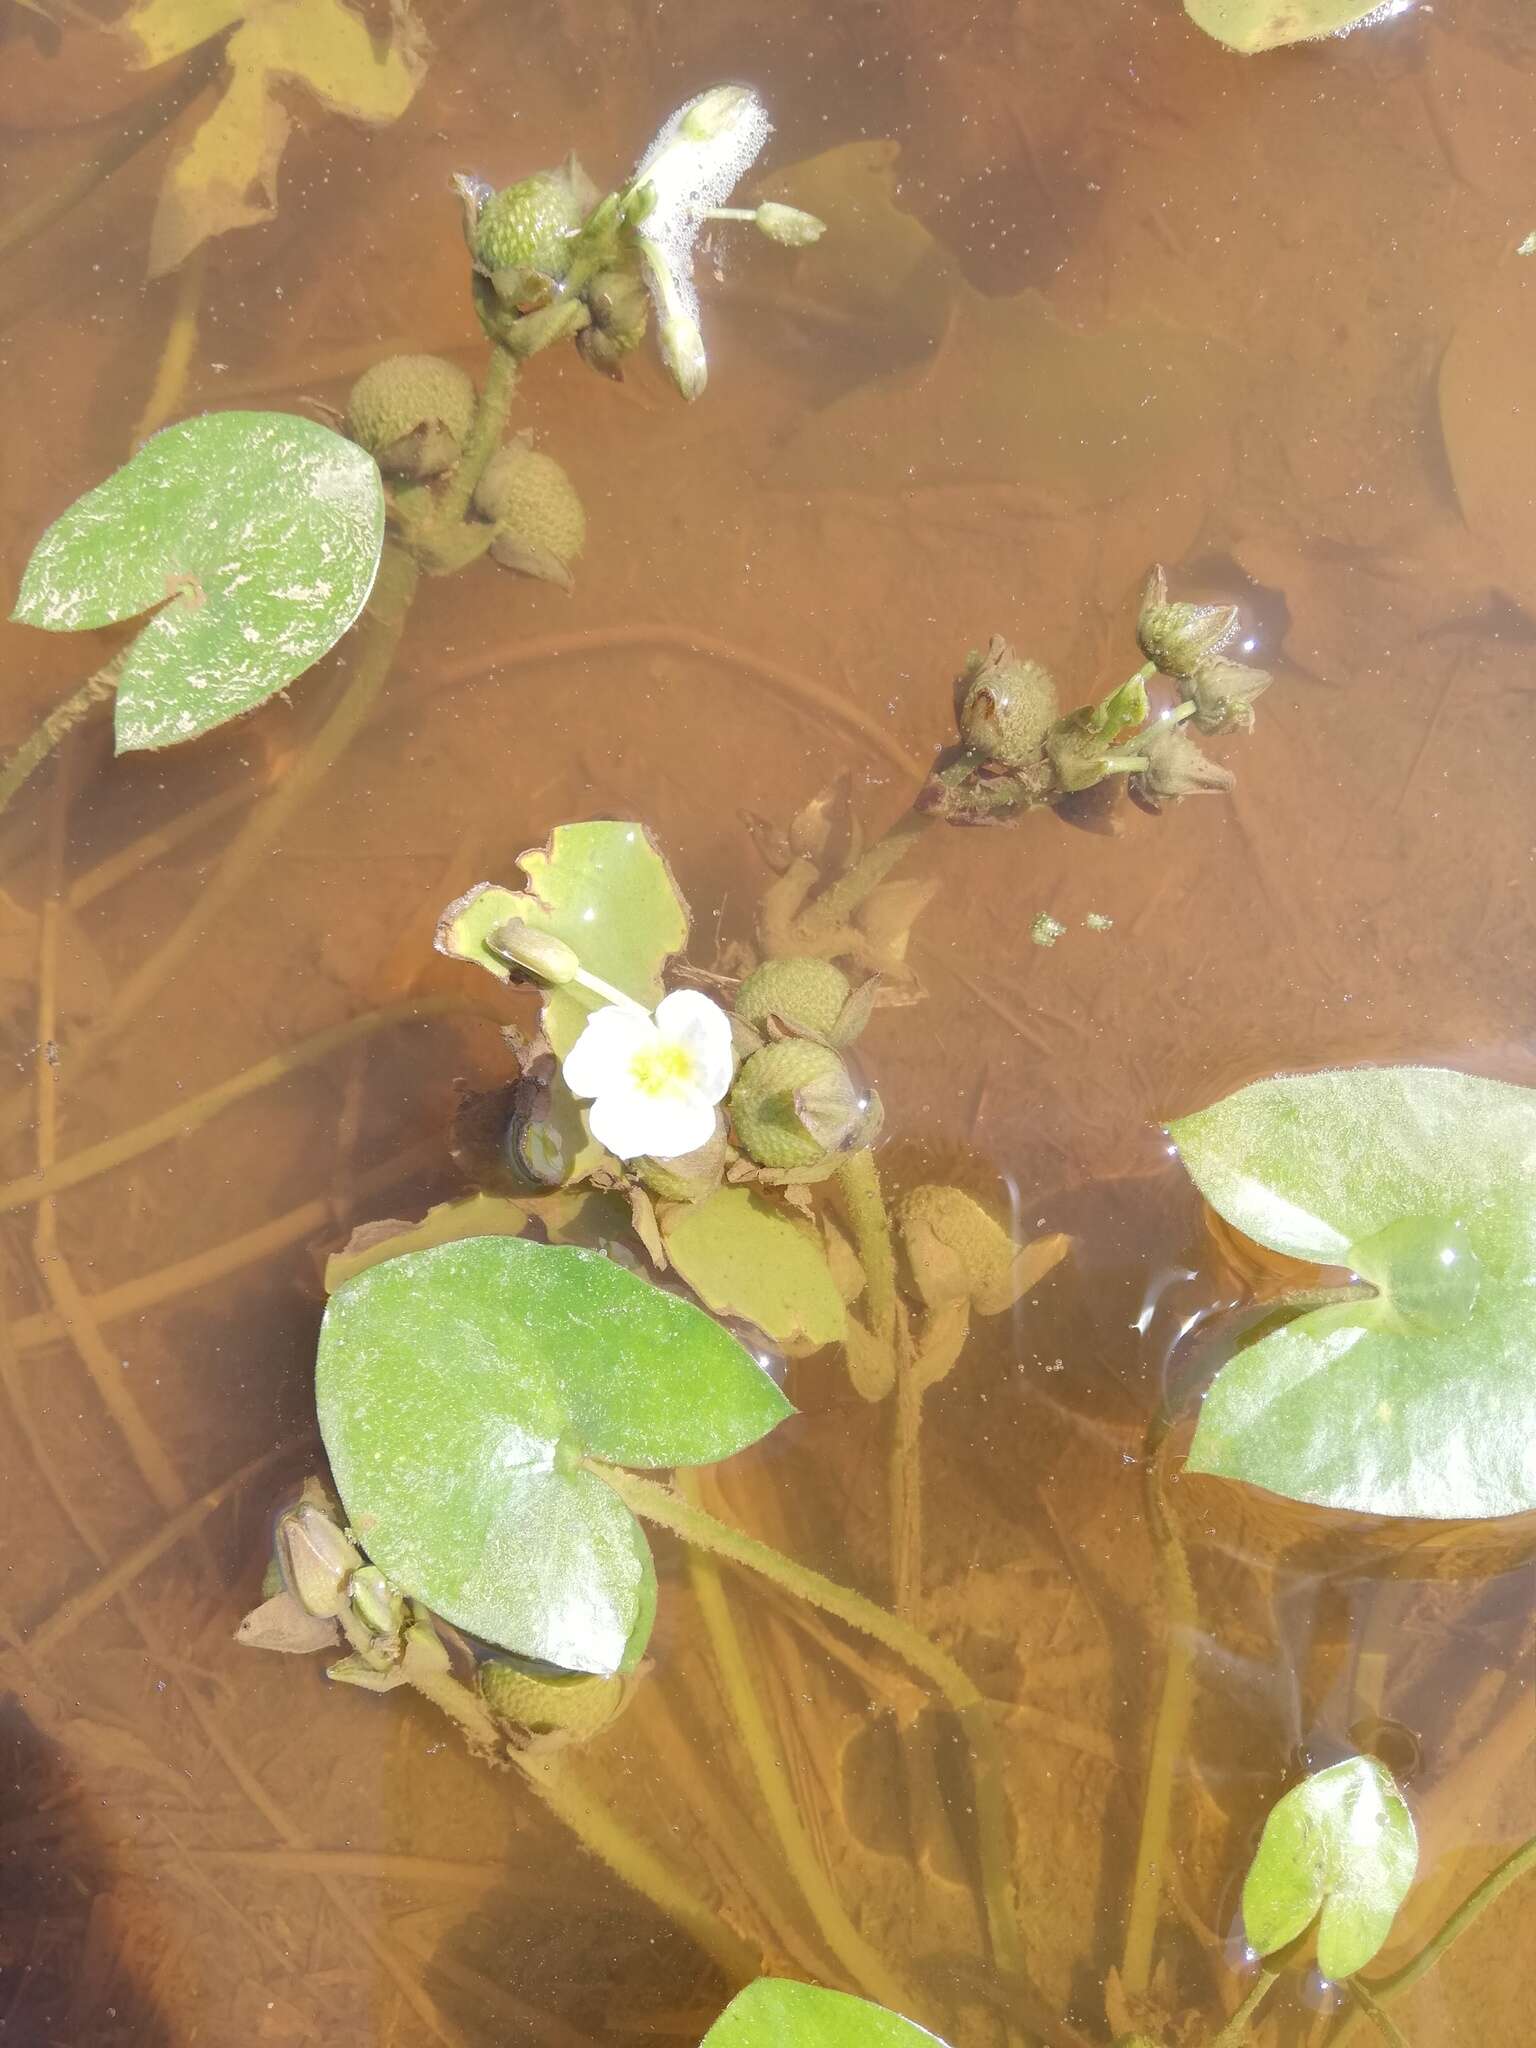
530, 226
808, 995
794, 1104
571, 1704
1007, 708
532, 503
412, 414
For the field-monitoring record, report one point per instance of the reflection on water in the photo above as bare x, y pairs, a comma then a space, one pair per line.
1095, 293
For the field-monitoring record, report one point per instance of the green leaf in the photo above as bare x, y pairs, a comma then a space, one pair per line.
1421, 1401
743, 1257
1340, 1844
1252, 25
264, 533
1122, 710
458, 1389
775, 2013
607, 891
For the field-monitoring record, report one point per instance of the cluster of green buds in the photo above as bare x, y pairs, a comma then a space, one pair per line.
322, 1593
1018, 751
554, 260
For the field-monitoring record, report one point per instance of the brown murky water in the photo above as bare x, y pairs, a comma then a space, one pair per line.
1097, 293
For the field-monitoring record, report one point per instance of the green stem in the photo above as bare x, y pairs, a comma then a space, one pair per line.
63, 719
187, 1117
377, 639
1476, 1902
1171, 1725
140, 124
490, 423
837, 903
1384, 2026
659, 1504
1236, 2029
550, 1775
858, 1182
865, 1967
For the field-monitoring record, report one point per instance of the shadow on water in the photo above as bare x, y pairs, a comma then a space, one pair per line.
77, 1962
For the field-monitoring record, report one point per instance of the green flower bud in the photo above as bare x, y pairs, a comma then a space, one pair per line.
537, 953
682, 350
1178, 636
718, 113
1176, 767
1080, 745
795, 1104
375, 1602
621, 311
573, 1705
540, 525
807, 996
788, 225
1006, 706
1223, 692
315, 1558
412, 414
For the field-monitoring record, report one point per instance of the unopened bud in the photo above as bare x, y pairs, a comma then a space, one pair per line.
1223, 692
682, 350
315, 1558
1176, 767
540, 954
1178, 636
788, 225
717, 113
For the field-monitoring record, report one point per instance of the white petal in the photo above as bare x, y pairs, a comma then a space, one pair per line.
608, 1043
691, 1020
633, 1123
690, 1124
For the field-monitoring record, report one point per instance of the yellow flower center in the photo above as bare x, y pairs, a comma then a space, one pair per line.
662, 1069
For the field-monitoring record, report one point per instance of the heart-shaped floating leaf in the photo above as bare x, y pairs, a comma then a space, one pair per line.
460, 1387
1252, 25
1340, 1845
743, 1257
262, 530
604, 888
776, 2013
1421, 1401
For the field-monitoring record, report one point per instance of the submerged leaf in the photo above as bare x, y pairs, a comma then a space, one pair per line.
1253, 25
449, 1222
605, 889
262, 530
775, 2013
225, 175
744, 1257
958, 1252
459, 1388
1340, 1845
1421, 1399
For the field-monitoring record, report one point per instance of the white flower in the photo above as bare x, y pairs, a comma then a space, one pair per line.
689, 170
653, 1082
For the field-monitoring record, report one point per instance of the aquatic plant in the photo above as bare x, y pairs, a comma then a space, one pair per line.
1254, 25
254, 539
497, 1383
